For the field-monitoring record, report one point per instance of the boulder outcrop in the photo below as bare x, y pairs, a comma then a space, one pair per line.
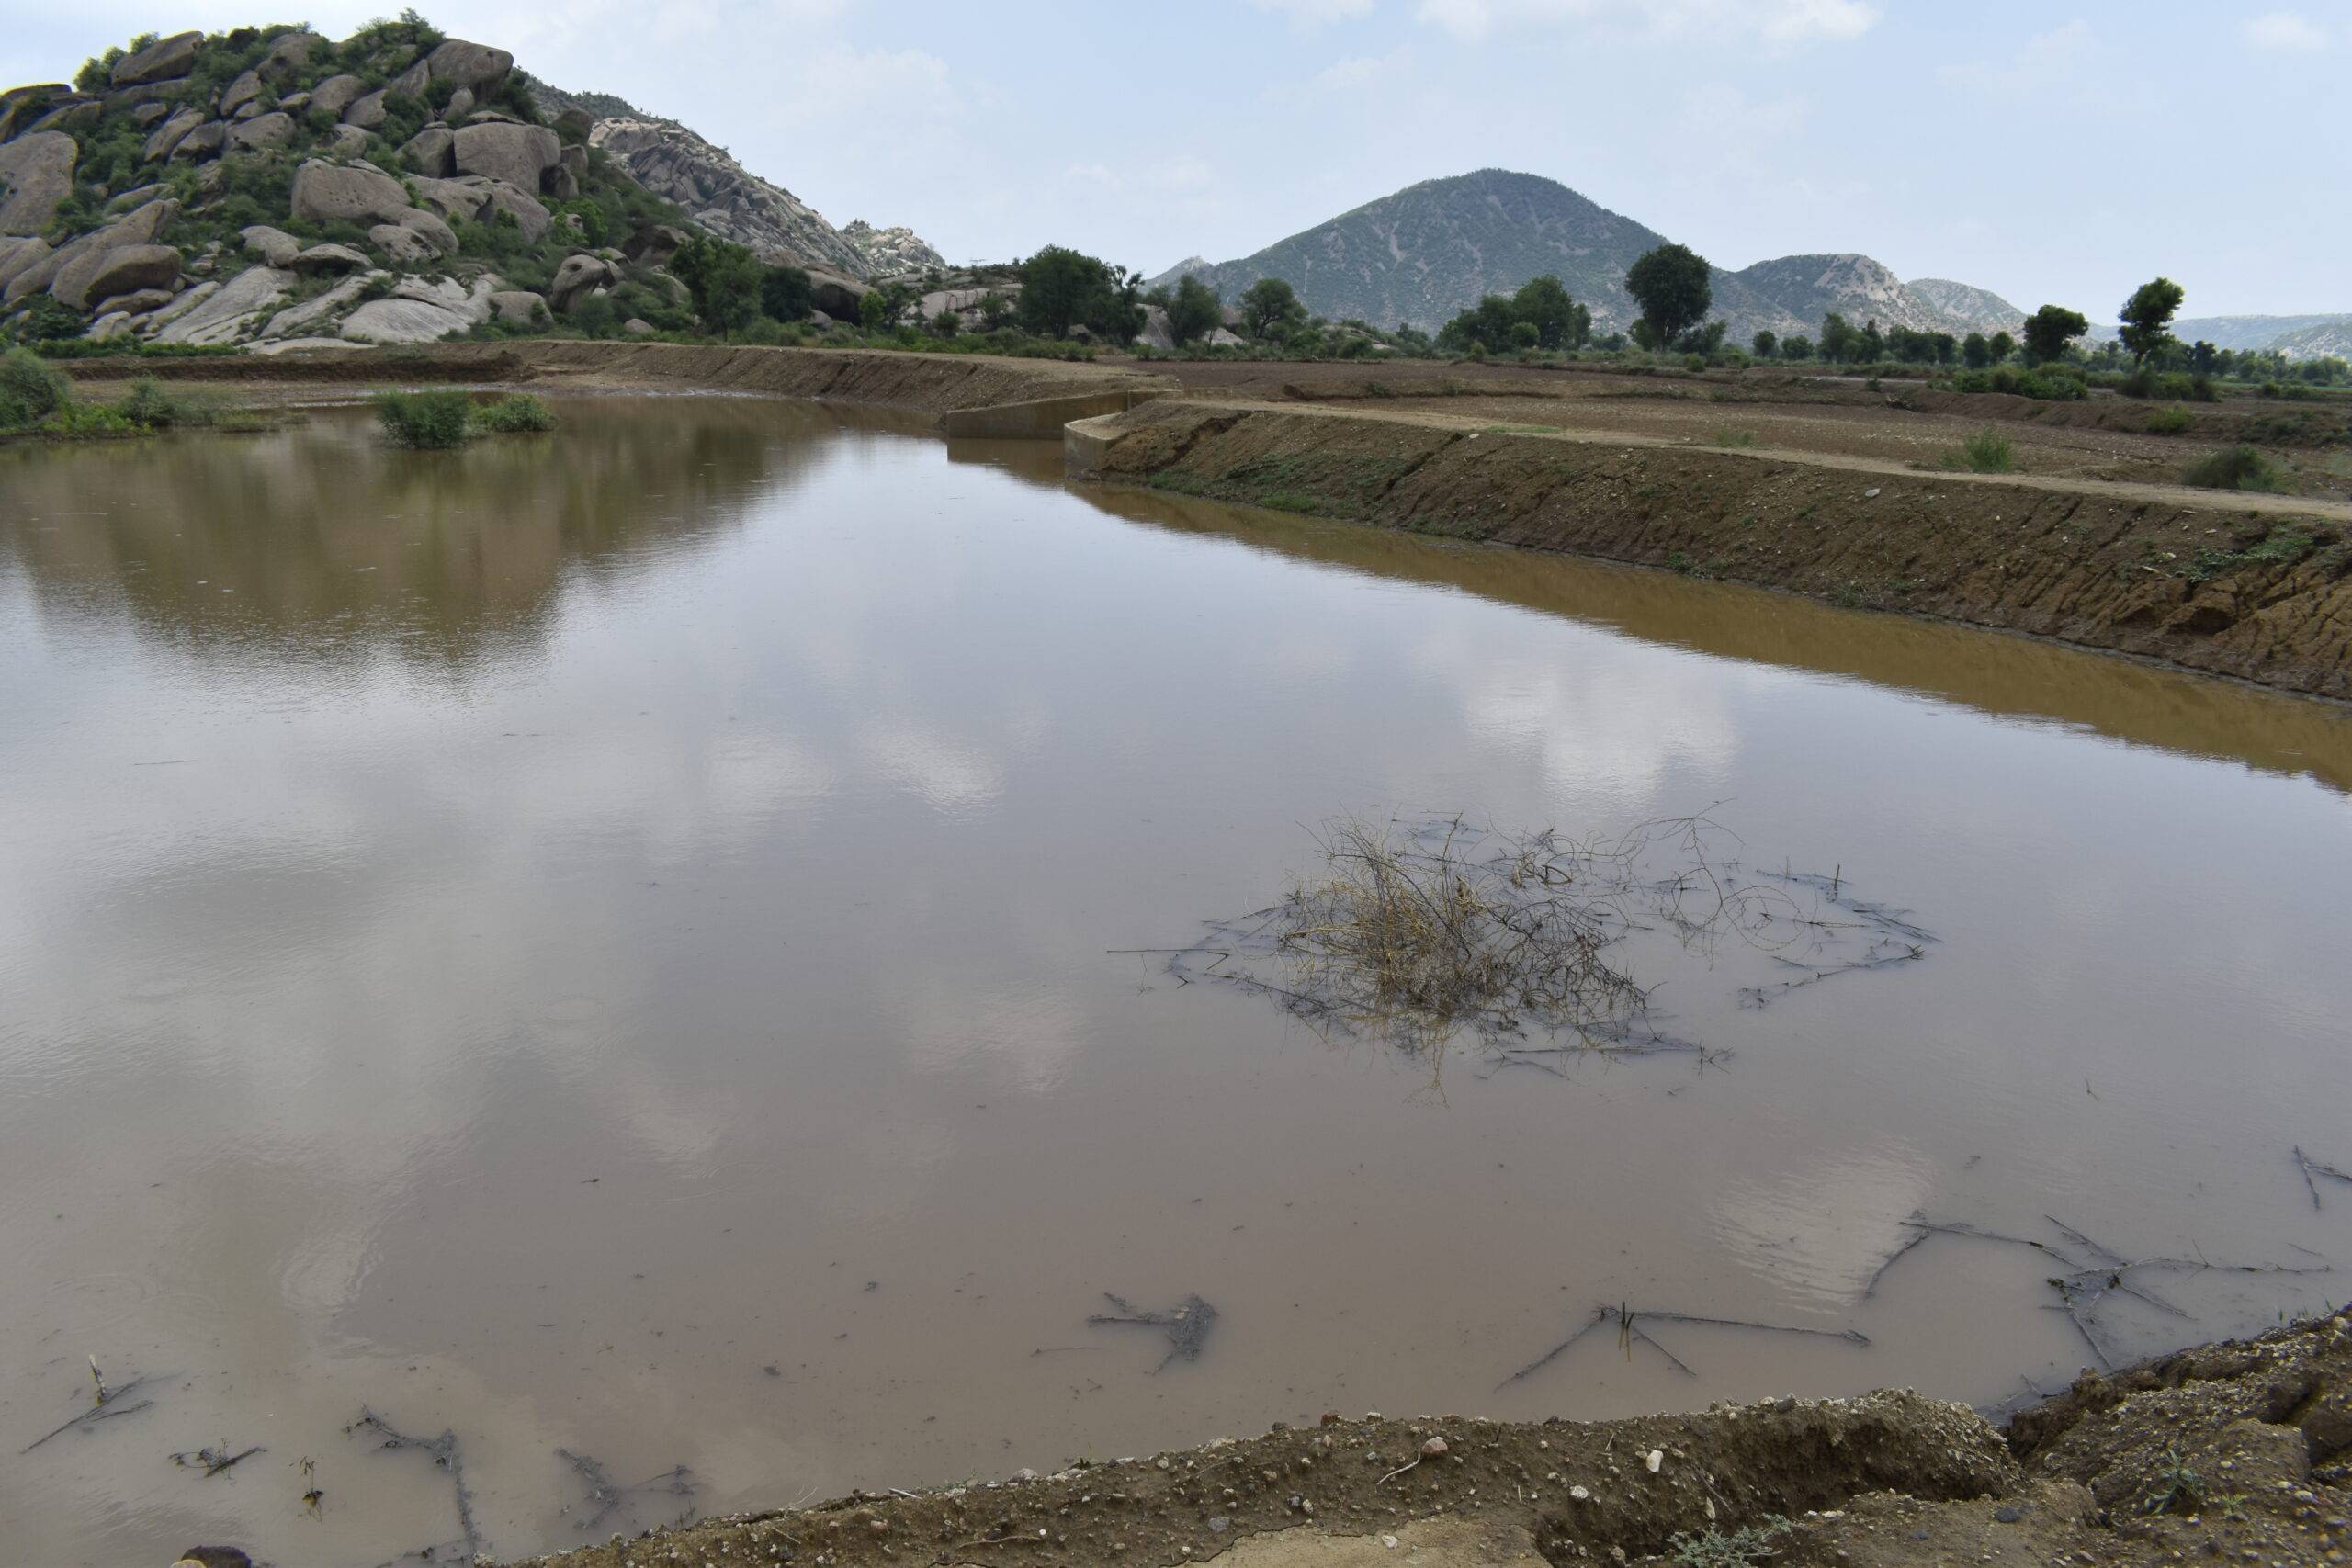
519, 154
334, 193
165, 60
35, 176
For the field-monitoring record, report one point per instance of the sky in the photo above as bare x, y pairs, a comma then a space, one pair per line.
2049, 151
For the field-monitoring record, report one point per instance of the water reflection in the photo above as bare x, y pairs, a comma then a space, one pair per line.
534, 986
320, 542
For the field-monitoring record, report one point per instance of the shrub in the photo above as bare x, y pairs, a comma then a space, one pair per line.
2234, 467
83, 422
424, 419
29, 390
1986, 452
2170, 421
520, 413
150, 407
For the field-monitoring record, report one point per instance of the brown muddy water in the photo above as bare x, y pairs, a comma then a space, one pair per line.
601, 943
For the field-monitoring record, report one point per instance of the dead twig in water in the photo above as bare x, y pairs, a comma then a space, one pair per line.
212, 1459
443, 1452
608, 1497
1628, 1334
107, 1406
2310, 1167
1186, 1325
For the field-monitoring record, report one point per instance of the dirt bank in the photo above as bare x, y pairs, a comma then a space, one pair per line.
925, 383
2254, 586
2229, 1451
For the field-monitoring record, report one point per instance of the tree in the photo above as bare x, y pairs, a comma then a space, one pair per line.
1976, 351
2147, 318
726, 280
1870, 347
1542, 303
1766, 345
2204, 359
1798, 348
1270, 307
1194, 311
1671, 284
1062, 289
874, 310
1837, 338
2002, 345
2048, 331
786, 294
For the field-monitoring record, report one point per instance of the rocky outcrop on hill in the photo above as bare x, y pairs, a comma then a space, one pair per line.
1967, 308
253, 187
891, 251
723, 196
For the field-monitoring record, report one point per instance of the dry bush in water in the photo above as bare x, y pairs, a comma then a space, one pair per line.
1413, 933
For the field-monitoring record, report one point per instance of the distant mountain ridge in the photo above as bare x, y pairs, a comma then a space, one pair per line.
2297, 337
677, 164
1431, 250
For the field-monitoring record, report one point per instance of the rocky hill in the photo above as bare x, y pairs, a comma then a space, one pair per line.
2297, 337
268, 186
1432, 249
1966, 306
723, 196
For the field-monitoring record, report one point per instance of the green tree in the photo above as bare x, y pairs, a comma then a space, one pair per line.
1062, 289
1270, 307
1975, 351
873, 311
1194, 311
725, 280
1542, 303
1870, 346
1766, 345
2048, 331
786, 294
1838, 338
1798, 348
2002, 345
2147, 318
1671, 284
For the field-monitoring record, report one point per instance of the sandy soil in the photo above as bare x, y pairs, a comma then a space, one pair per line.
2231, 1451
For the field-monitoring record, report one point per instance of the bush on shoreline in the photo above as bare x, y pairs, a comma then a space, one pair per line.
444, 418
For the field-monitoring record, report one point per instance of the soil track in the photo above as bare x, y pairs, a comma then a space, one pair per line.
2234, 1451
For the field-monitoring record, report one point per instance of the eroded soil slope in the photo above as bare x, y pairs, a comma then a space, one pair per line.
2258, 587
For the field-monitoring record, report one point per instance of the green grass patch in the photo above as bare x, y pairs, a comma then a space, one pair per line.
1987, 452
2235, 467
2171, 421
518, 414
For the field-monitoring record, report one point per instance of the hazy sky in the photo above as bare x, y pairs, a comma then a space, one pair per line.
2046, 151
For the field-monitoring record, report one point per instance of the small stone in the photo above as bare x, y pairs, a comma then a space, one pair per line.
2009, 1512
1026, 1473
1654, 1460
1219, 1525
1870, 494
1389, 1541
1436, 1446
1581, 1494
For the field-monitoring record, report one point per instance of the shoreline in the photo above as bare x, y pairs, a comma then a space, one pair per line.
2230, 1449
2251, 587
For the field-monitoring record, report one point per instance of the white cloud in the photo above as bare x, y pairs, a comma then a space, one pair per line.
2049, 59
1780, 23
1315, 13
1352, 73
2287, 30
